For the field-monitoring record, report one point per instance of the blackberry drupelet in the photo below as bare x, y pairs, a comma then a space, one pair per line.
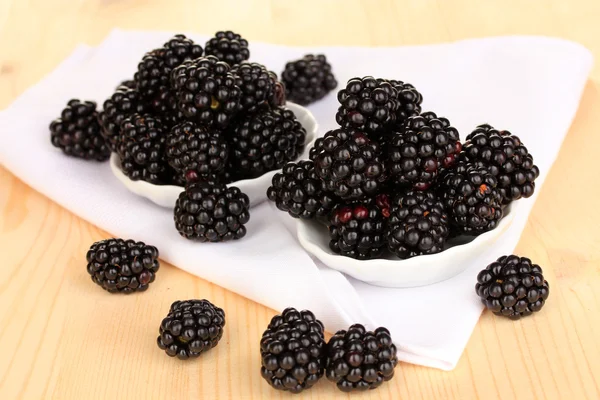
418, 224
277, 96
409, 101
228, 47
211, 212
316, 149
513, 287
308, 79
265, 141
191, 327
123, 103
142, 149
483, 128
368, 105
358, 230
77, 132
424, 146
179, 49
471, 198
257, 85
359, 360
350, 164
122, 266
298, 191
506, 158
293, 351
206, 91
194, 150
129, 84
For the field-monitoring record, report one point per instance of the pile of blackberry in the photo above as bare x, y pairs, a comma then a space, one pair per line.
393, 180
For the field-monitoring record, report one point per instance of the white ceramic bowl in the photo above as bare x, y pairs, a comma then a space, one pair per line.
256, 189
394, 272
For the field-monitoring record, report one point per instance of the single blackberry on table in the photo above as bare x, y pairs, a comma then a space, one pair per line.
77, 132
349, 164
191, 327
211, 212
122, 266
357, 230
418, 224
206, 91
369, 105
359, 360
265, 141
513, 287
293, 351
142, 149
123, 103
506, 158
257, 85
192, 149
409, 101
471, 198
298, 191
228, 47
424, 146
308, 79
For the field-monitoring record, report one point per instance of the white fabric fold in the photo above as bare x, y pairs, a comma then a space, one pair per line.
528, 85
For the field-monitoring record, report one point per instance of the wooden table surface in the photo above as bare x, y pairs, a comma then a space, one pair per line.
62, 338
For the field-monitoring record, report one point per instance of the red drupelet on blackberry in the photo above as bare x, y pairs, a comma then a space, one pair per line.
122, 266
506, 158
424, 146
123, 103
206, 91
369, 105
357, 230
211, 212
349, 164
229, 47
359, 360
471, 198
298, 191
308, 79
513, 287
264, 141
77, 132
191, 327
194, 149
293, 351
418, 224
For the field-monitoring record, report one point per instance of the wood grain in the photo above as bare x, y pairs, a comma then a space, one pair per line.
60, 339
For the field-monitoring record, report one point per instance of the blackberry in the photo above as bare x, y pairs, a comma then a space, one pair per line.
210, 212
206, 91
308, 79
424, 146
298, 191
418, 224
358, 230
506, 158
359, 360
123, 103
77, 132
257, 84
409, 101
368, 105
350, 164
142, 149
228, 47
513, 287
122, 266
471, 199
190, 147
191, 328
265, 141
293, 351
179, 49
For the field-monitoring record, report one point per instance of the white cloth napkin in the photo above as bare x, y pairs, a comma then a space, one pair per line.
528, 85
